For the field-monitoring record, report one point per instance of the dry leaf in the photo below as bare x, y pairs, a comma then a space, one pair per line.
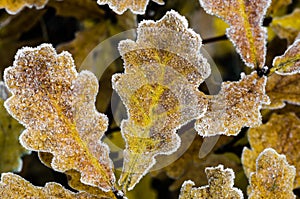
281, 133
246, 31
273, 177
237, 105
159, 88
289, 62
56, 105
136, 6
220, 185
14, 186
288, 26
282, 90
15, 6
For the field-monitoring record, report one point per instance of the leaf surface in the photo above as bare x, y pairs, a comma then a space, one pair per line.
289, 62
163, 70
281, 133
15, 6
136, 6
287, 26
56, 105
14, 186
273, 177
246, 31
237, 105
282, 90
220, 185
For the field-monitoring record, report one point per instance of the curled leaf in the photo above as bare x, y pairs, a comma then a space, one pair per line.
237, 105
15, 6
159, 88
281, 133
14, 186
273, 177
288, 26
136, 6
289, 63
56, 105
282, 90
246, 31
220, 185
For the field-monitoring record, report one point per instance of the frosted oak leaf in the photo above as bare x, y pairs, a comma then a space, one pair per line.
136, 6
273, 177
14, 186
56, 105
281, 133
237, 105
289, 62
283, 89
220, 185
15, 6
246, 32
163, 69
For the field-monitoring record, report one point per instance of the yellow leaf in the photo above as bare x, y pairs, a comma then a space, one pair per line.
281, 133
220, 185
159, 88
282, 89
10, 130
237, 105
288, 26
120, 6
273, 177
15, 6
56, 105
289, 62
14, 186
246, 31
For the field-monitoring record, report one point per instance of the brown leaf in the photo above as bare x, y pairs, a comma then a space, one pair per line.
220, 185
273, 177
282, 90
56, 105
289, 63
237, 105
14, 186
246, 31
159, 88
281, 133
15, 6
136, 6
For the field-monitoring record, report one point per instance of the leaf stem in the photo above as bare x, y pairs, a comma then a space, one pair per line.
214, 39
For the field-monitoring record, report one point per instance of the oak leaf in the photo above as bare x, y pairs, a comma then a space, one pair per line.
287, 26
220, 185
136, 6
159, 88
10, 148
236, 105
13, 6
289, 62
14, 186
282, 90
281, 133
273, 177
246, 31
56, 105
